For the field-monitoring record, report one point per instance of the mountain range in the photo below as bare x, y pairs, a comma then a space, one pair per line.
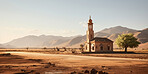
74, 41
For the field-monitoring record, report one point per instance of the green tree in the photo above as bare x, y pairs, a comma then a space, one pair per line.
127, 40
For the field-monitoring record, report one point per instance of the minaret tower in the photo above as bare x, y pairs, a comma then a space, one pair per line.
90, 34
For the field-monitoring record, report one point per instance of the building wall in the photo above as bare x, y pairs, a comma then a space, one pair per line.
97, 45
87, 47
90, 36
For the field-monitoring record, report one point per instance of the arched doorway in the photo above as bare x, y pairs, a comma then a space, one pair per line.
92, 47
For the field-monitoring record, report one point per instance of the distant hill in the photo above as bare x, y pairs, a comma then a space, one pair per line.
143, 45
74, 41
118, 29
6, 46
113, 36
38, 41
1, 46
142, 35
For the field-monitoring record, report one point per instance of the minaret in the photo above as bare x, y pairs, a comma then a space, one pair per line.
90, 33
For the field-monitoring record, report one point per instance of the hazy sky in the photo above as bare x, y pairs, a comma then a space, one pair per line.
20, 18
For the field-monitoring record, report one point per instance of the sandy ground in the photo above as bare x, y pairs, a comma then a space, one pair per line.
138, 53
36, 63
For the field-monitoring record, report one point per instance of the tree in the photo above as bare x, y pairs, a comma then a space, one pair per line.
81, 45
57, 49
127, 40
27, 48
64, 48
44, 48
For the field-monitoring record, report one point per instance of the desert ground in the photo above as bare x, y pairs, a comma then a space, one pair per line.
39, 62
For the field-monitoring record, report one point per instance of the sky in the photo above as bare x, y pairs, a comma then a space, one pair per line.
19, 18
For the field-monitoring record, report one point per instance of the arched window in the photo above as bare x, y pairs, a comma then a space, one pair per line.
101, 47
108, 47
93, 48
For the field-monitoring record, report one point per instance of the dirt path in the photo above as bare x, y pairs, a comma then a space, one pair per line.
79, 63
